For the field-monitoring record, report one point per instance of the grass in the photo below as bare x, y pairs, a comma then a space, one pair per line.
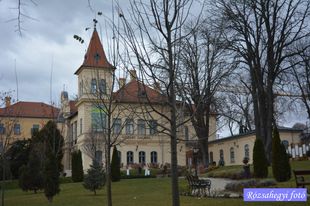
135, 192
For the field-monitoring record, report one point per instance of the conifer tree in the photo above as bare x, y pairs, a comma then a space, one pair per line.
281, 168
77, 167
115, 166
260, 161
51, 177
31, 177
95, 177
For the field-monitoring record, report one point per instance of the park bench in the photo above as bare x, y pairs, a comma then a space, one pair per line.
198, 186
300, 179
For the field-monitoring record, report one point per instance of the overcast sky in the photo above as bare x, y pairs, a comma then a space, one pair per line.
46, 42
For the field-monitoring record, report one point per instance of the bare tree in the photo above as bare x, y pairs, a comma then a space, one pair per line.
301, 73
153, 32
206, 64
8, 119
262, 33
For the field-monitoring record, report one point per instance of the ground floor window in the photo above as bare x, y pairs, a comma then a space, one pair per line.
141, 157
129, 157
232, 155
153, 157
98, 156
211, 157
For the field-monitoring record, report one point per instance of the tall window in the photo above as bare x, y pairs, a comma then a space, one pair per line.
93, 86
102, 86
186, 132
35, 129
129, 126
141, 157
117, 124
221, 155
81, 125
232, 155
153, 127
81, 88
129, 157
16, 129
75, 132
211, 157
141, 127
98, 156
98, 118
153, 157
2, 129
246, 151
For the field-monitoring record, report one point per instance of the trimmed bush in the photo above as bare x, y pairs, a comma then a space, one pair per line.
281, 168
115, 166
77, 167
260, 162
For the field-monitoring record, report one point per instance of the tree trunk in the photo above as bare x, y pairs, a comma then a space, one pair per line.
3, 179
108, 170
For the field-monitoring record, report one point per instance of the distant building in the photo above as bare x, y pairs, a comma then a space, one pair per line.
235, 148
19, 120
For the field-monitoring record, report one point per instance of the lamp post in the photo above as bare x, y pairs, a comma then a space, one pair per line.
195, 157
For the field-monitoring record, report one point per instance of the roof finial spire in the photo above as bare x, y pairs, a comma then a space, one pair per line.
95, 23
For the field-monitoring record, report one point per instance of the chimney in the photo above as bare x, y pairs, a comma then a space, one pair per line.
133, 75
121, 82
7, 101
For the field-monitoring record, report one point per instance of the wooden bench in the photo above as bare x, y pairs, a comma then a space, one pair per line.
198, 186
300, 179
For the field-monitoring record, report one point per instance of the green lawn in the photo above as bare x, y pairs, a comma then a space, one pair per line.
134, 192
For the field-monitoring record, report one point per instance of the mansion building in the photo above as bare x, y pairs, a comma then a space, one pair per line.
136, 127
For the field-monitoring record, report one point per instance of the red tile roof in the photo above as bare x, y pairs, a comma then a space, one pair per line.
95, 55
137, 92
30, 109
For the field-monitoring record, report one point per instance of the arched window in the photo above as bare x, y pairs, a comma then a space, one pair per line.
285, 143
232, 155
142, 157
211, 157
93, 86
102, 86
129, 157
247, 151
221, 154
153, 157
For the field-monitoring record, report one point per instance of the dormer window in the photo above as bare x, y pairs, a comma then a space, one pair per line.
102, 86
93, 86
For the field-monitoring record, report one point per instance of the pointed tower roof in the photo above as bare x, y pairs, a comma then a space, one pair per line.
95, 56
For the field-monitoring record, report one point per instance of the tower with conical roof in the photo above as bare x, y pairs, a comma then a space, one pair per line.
94, 82
95, 73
